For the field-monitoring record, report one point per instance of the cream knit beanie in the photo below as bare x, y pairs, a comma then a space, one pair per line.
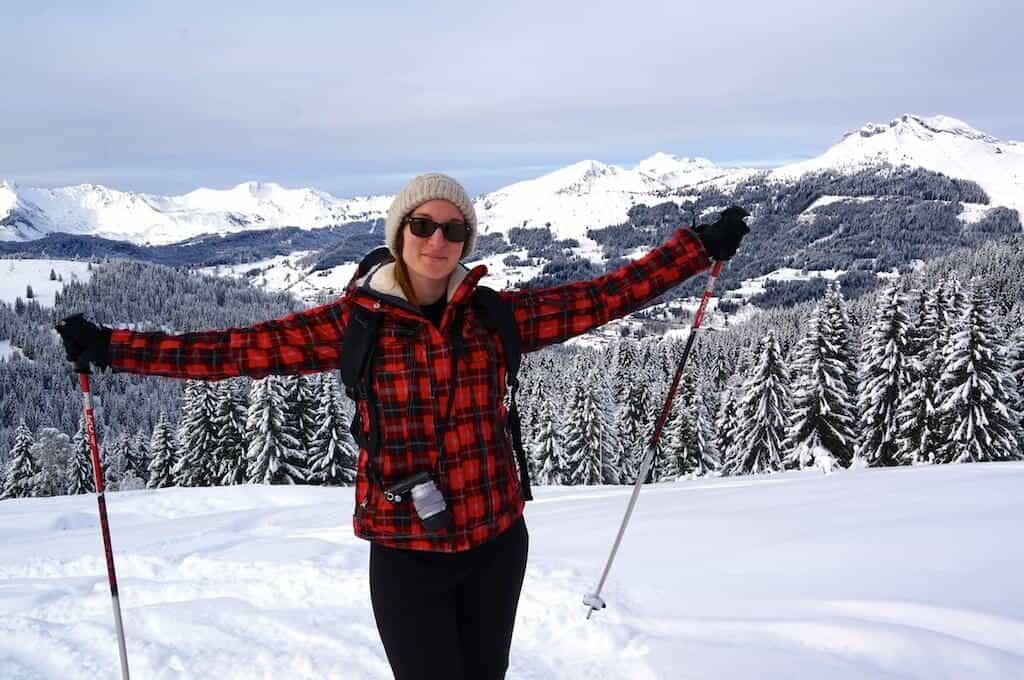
425, 188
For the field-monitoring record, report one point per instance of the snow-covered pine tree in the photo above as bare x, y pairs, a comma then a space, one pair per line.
301, 416
332, 448
197, 439
528, 401
677, 440
820, 432
678, 454
138, 464
163, 452
582, 436
977, 410
272, 453
883, 379
727, 426
624, 367
728, 420
229, 427
707, 457
21, 479
1015, 360
651, 363
79, 473
547, 454
51, 453
954, 302
611, 445
916, 418
841, 335
115, 455
765, 406
634, 429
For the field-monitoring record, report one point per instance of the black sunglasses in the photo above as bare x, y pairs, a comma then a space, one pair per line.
424, 227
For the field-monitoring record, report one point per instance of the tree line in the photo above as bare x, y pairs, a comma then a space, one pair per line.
278, 430
936, 377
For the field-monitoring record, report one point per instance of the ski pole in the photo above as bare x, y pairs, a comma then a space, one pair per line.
593, 600
97, 471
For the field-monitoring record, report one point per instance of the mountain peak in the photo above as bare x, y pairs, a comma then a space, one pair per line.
587, 169
258, 189
923, 128
938, 143
660, 157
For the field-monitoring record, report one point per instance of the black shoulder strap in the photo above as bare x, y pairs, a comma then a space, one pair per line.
497, 314
356, 362
357, 358
370, 260
357, 348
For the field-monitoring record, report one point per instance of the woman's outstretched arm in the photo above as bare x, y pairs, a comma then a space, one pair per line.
551, 315
304, 342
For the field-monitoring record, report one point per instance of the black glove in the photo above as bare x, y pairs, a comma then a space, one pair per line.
85, 343
722, 238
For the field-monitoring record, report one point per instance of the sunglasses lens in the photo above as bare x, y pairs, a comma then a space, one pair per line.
422, 227
456, 232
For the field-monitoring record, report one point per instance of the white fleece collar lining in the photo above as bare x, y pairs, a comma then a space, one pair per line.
382, 280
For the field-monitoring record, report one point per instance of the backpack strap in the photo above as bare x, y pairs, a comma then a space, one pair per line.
357, 347
372, 259
497, 314
356, 363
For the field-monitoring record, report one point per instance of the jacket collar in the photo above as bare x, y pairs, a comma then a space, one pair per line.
381, 280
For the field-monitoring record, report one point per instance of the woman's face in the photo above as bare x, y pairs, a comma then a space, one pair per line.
434, 257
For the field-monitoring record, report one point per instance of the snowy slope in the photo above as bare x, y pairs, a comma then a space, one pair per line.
907, 573
17, 275
8, 351
27, 213
288, 273
591, 194
937, 143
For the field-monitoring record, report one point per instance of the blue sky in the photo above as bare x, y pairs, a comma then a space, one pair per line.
354, 98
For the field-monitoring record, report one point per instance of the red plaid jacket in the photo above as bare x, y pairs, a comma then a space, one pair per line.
412, 380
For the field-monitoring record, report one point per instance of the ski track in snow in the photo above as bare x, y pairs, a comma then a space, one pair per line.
260, 582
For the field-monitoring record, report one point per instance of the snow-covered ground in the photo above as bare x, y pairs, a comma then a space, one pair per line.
751, 287
7, 350
904, 573
15, 275
286, 273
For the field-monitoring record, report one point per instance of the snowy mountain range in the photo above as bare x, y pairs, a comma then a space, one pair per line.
87, 209
570, 200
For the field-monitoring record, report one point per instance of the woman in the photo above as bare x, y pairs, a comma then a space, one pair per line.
444, 597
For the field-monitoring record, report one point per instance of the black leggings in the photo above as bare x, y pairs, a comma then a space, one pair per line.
449, 615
